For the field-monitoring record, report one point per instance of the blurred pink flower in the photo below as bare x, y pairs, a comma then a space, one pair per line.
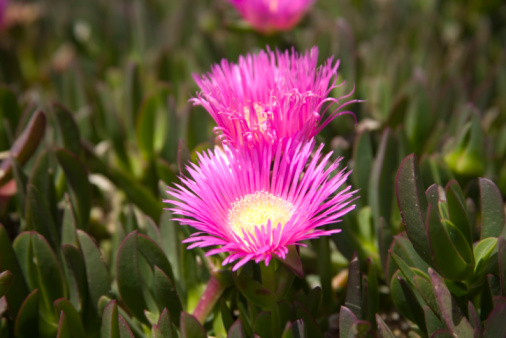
260, 201
3, 9
270, 97
272, 15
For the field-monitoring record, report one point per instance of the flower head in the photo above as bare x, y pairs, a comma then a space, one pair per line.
270, 97
272, 15
3, 8
261, 201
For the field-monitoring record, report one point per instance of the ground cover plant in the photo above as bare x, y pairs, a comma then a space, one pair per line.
189, 169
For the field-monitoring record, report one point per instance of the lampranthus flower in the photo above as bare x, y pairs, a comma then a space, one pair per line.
268, 16
260, 201
270, 97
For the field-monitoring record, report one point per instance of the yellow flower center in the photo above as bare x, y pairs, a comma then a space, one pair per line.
256, 209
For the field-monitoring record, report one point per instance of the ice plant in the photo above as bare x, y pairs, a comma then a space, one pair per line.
262, 201
268, 16
270, 97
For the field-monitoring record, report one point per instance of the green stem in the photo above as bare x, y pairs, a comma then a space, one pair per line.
212, 293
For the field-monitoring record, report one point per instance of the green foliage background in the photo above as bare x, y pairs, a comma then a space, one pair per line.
95, 123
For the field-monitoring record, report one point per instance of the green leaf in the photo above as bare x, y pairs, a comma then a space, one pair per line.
110, 325
63, 327
68, 129
451, 313
21, 182
425, 289
432, 322
49, 273
190, 327
255, 292
415, 312
80, 190
382, 178
154, 255
353, 289
403, 247
75, 275
228, 320
236, 330
494, 326
262, 326
363, 155
25, 145
5, 282
314, 301
292, 261
457, 209
163, 329
312, 328
145, 126
74, 320
96, 271
124, 329
346, 321
492, 209
133, 93
166, 295
296, 329
10, 111
18, 291
383, 330
482, 252
502, 263
129, 279
451, 252
27, 319
371, 291
413, 205
38, 217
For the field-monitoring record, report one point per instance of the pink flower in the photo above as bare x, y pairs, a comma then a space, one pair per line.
272, 15
261, 201
3, 8
270, 97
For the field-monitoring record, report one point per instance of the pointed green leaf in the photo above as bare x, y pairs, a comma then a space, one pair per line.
457, 209
124, 329
432, 322
63, 327
492, 209
383, 330
236, 330
262, 325
110, 326
346, 320
363, 155
313, 330
154, 255
26, 324
226, 315
296, 329
482, 252
38, 217
67, 128
353, 289
190, 327
80, 190
5, 282
502, 263
76, 327
145, 126
413, 205
494, 326
253, 290
129, 278
96, 271
163, 329
166, 295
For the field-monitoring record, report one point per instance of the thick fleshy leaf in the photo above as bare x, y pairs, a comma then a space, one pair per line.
166, 295
451, 252
129, 279
415, 308
474, 320
38, 217
163, 329
226, 315
133, 94
67, 127
124, 328
432, 322
145, 125
425, 289
5, 282
26, 324
312, 328
190, 327
262, 326
382, 178
482, 252
74, 320
253, 290
371, 293
96, 271
403, 247
492, 209
494, 326
25, 145
502, 263
296, 329
171, 242
292, 261
80, 190
236, 330
457, 209
353, 289
21, 181
383, 329
314, 301
413, 205
110, 325
363, 155
346, 320
49, 272
63, 327
451, 314
75, 275
154, 255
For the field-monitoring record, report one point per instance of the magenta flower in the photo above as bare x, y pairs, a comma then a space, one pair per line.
254, 203
270, 97
268, 16
3, 8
